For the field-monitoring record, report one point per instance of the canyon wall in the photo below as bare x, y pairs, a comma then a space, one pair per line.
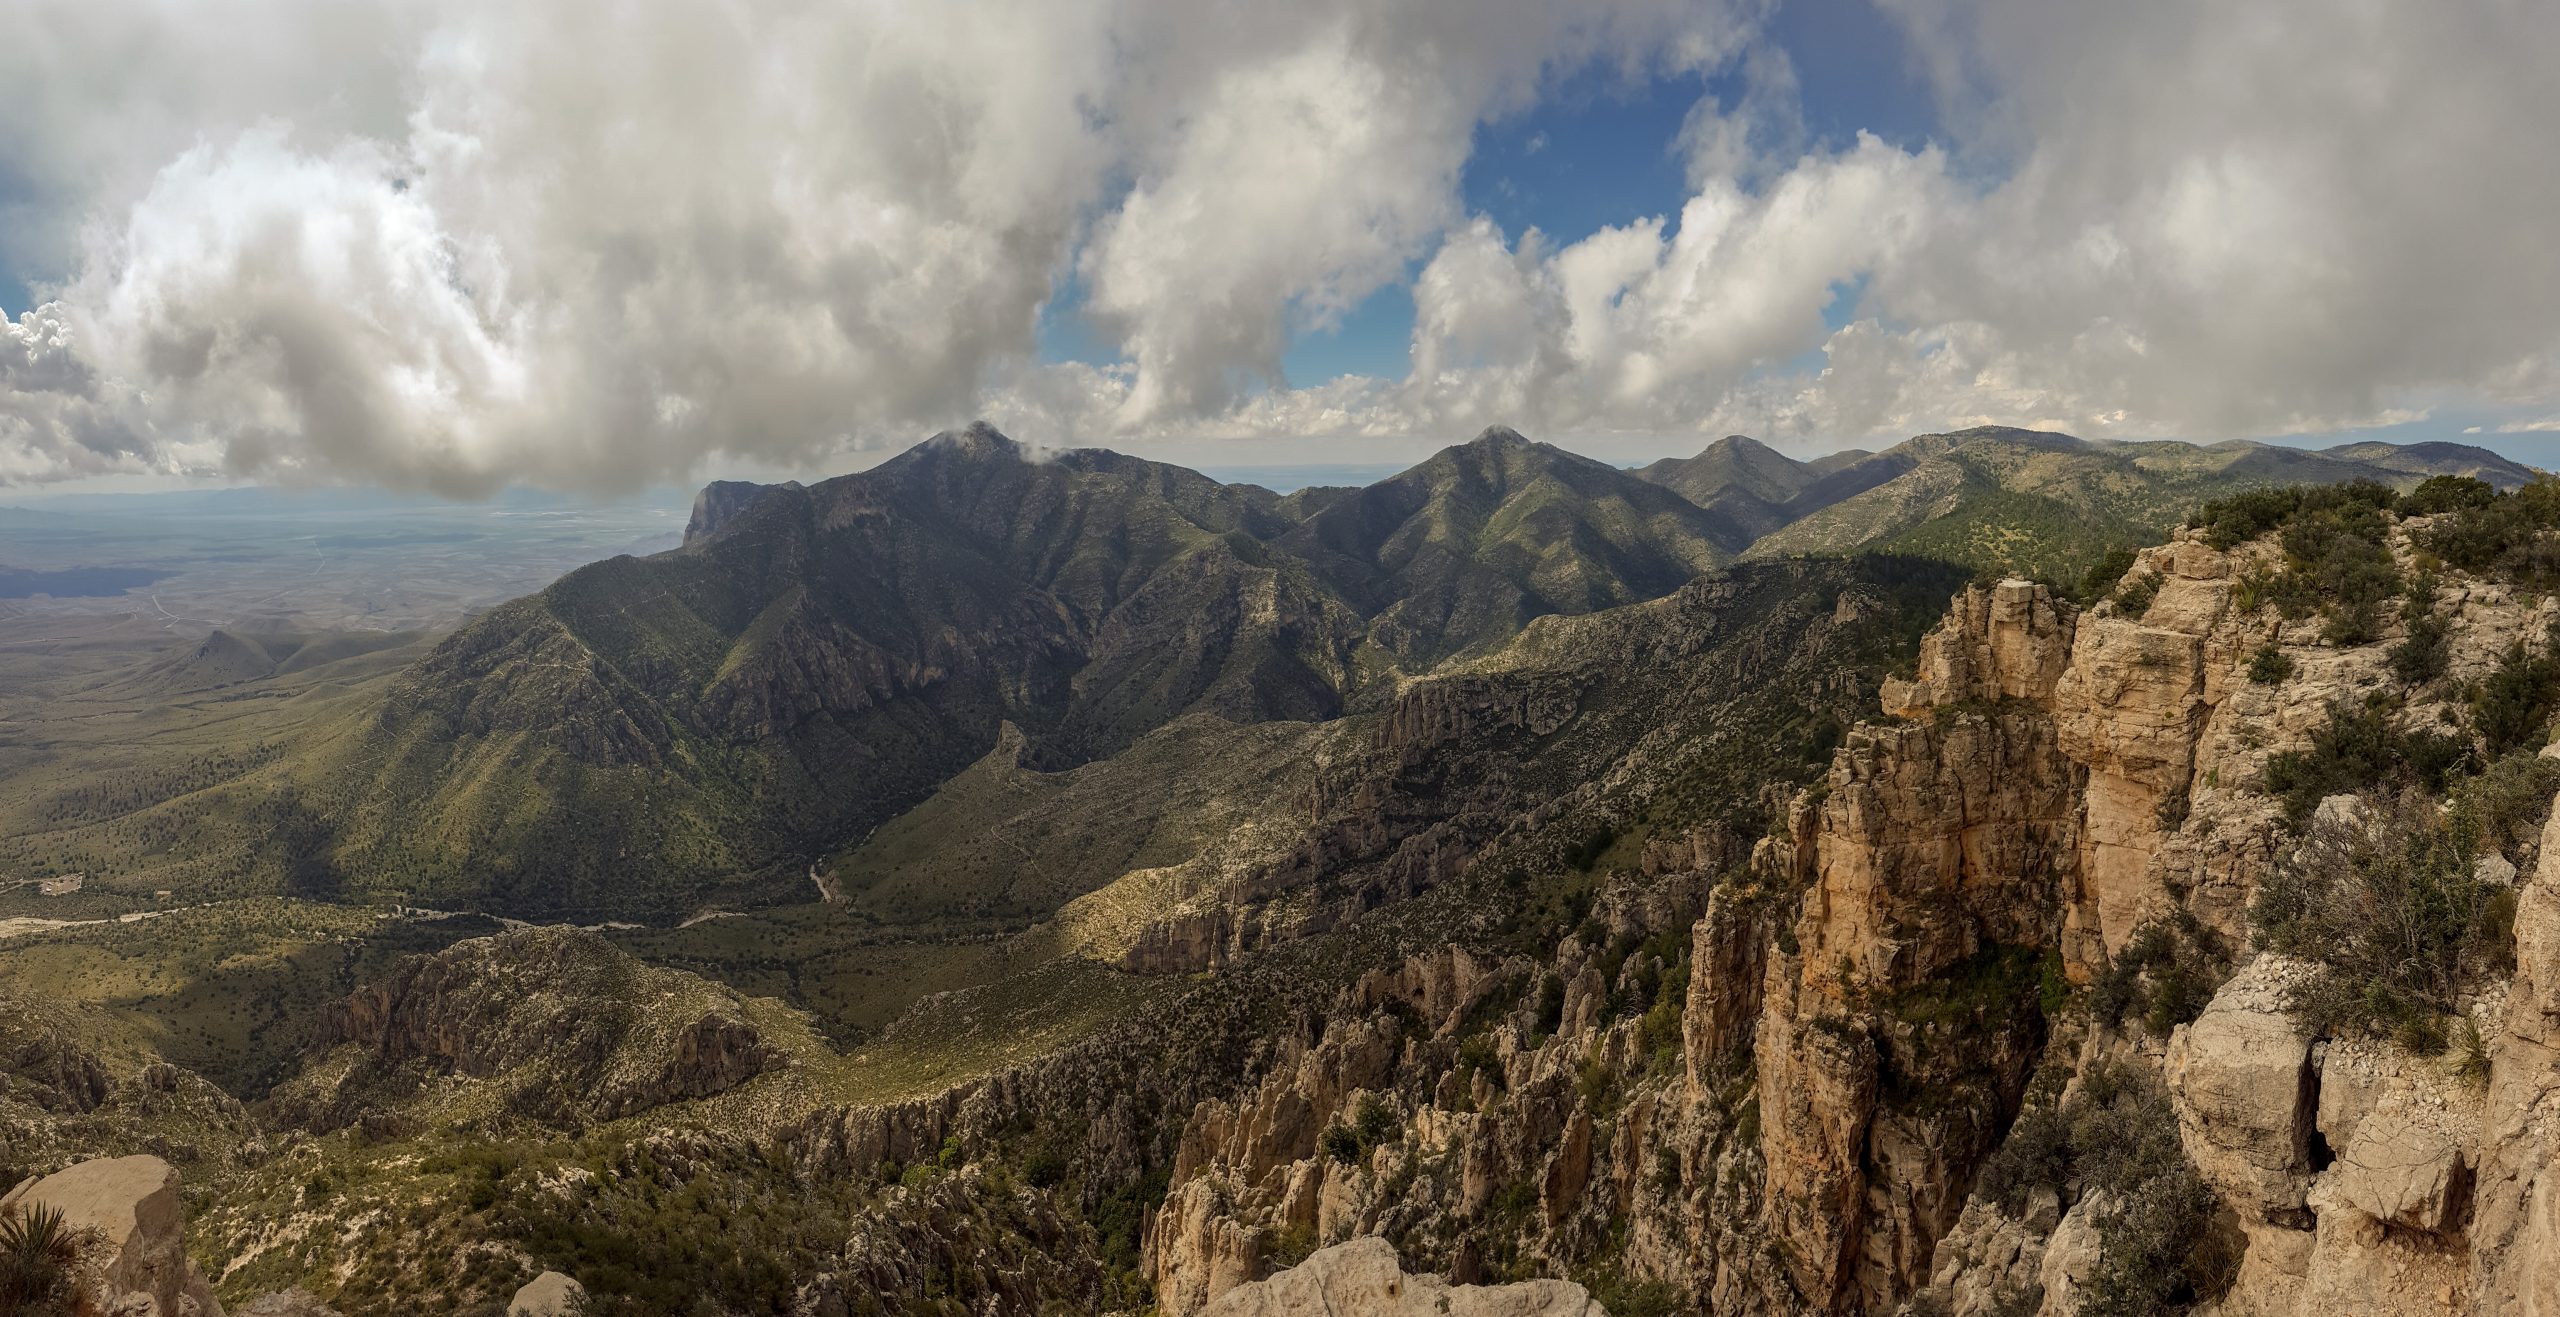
1896, 973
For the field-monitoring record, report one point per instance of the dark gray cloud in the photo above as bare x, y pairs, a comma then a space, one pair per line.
580, 244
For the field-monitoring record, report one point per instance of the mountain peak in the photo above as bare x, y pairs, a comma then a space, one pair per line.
1500, 437
979, 439
1740, 445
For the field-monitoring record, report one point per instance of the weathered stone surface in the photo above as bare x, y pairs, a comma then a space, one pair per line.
132, 1202
2404, 1132
2071, 1257
2515, 1230
551, 1294
2008, 642
2246, 1094
1364, 1276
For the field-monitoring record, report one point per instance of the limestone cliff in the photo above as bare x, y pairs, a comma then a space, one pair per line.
1901, 987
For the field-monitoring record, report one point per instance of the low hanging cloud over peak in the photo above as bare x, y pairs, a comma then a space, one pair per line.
452, 246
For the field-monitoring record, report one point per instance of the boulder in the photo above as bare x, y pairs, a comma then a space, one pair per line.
2071, 1257
2406, 1168
2246, 1093
132, 1202
551, 1294
2404, 1130
1364, 1276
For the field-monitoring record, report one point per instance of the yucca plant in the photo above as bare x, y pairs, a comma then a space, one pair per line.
40, 1257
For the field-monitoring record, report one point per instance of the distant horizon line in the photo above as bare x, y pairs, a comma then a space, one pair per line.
82, 491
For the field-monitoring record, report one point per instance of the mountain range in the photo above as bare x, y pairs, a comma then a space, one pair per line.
651, 736
1013, 881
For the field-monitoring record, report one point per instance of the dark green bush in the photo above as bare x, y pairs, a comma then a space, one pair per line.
2359, 749
2505, 805
2447, 494
2165, 975
2161, 1247
1376, 1122
2100, 580
2336, 562
2513, 707
2270, 665
2507, 535
1341, 1143
2420, 657
2133, 598
2389, 910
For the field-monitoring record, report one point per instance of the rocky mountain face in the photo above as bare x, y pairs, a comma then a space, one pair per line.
1821, 935
1907, 987
814, 661
574, 1028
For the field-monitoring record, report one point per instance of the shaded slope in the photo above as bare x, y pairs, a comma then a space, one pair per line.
649, 733
1461, 551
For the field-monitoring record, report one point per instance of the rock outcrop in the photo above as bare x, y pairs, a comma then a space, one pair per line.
551, 1294
576, 1028
2247, 1093
1364, 1276
132, 1204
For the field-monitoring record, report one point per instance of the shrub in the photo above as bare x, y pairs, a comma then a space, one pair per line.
2513, 706
40, 1260
1375, 1122
2133, 598
1476, 1055
2389, 912
2506, 804
2507, 535
2333, 536
2270, 665
1341, 1143
2160, 1248
2420, 657
2164, 976
2358, 749
2103, 574
2239, 518
2447, 494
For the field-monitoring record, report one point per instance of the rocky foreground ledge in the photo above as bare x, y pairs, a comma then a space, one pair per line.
1365, 1276
138, 1265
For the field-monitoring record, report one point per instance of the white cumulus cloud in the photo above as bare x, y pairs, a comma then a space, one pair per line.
589, 244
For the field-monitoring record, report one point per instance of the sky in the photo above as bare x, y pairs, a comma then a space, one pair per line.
598, 246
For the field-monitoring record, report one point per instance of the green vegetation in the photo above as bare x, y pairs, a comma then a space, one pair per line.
2391, 911
2437, 494
2513, 707
2421, 655
40, 1261
2100, 580
2333, 536
2036, 504
2505, 535
2164, 977
2269, 665
2133, 597
1373, 1125
2161, 1248
2362, 747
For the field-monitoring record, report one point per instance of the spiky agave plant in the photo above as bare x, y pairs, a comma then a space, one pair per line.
40, 1257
